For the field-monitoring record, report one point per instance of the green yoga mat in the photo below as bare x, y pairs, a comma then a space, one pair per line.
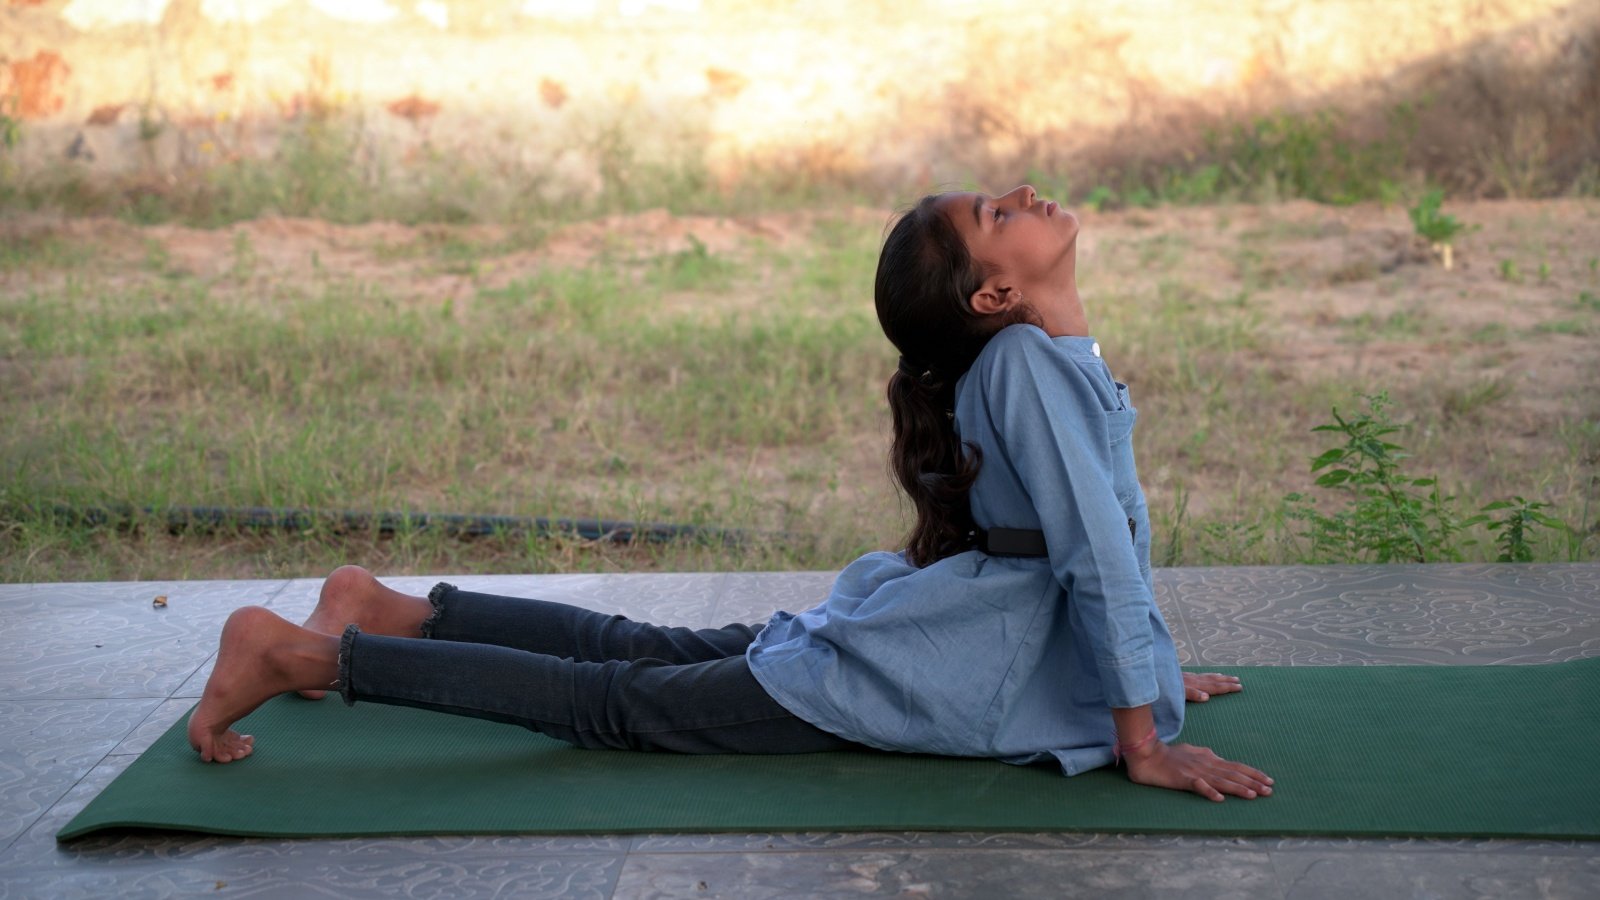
1406, 750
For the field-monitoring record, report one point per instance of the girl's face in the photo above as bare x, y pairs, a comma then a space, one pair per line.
1030, 245
1018, 234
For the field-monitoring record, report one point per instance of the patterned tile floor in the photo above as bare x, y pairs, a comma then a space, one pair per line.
90, 674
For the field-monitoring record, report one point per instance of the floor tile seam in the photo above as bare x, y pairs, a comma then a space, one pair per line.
79, 780
35, 820
173, 694
136, 726
223, 867
58, 698
283, 585
1368, 845
614, 876
1189, 640
714, 612
935, 849
6, 848
157, 709
383, 858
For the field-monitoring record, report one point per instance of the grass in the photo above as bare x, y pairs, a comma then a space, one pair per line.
565, 391
704, 380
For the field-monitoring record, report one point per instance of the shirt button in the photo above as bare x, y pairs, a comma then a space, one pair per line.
1095, 349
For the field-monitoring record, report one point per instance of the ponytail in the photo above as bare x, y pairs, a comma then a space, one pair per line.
924, 281
929, 463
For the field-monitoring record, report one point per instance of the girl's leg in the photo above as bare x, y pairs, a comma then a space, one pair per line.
714, 706
260, 656
560, 630
352, 596
708, 707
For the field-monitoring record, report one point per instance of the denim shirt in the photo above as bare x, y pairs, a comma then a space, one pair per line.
1020, 659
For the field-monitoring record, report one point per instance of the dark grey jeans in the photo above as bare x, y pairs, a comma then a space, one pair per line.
590, 679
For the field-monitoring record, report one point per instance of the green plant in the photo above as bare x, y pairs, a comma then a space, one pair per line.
1510, 272
1517, 160
1438, 228
1389, 516
1389, 193
1140, 195
1560, 326
156, 257
1200, 185
1100, 197
694, 268
1520, 517
10, 127
151, 124
1311, 155
244, 256
1052, 183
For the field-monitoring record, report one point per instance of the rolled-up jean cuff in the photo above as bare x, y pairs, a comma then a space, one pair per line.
436, 597
346, 643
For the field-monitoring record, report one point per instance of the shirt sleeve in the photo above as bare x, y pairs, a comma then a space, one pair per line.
1054, 429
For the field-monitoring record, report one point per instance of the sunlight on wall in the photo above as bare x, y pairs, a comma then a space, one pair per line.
88, 14
831, 85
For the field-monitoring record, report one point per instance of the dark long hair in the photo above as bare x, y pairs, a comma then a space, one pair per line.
925, 280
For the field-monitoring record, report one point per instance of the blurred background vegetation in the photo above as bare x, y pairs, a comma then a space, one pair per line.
323, 327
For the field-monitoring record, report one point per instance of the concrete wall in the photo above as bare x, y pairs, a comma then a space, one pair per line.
900, 90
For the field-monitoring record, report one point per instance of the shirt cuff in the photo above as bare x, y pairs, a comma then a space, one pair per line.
1129, 682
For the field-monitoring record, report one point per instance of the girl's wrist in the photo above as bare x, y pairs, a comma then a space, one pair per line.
1136, 751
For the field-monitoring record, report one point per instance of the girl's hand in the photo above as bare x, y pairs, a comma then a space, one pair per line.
1199, 688
1185, 767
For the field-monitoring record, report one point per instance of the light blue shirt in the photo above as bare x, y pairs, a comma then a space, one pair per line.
1010, 658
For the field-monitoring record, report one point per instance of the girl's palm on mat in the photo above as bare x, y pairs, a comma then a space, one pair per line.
1199, 687
1185, 767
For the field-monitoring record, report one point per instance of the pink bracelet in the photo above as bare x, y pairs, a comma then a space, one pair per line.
1119, 749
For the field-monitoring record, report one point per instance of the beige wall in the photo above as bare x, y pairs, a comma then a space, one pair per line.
901, 89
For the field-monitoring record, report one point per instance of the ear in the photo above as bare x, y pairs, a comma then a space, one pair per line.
993, 296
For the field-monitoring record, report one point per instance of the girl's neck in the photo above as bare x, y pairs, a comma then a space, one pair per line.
1061, 314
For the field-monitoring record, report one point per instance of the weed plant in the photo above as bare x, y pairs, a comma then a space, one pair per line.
1437, 228
1390, 515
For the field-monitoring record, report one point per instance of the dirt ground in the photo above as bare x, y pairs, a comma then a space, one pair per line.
1348, 257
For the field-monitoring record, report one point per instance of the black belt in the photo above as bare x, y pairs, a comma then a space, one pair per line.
1012, 542
1023, 542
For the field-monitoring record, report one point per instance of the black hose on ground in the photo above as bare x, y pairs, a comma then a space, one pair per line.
202, 518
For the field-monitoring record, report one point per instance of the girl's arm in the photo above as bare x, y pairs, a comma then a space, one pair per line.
1182, 767
1055, 431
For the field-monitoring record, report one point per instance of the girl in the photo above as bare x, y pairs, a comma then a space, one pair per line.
1019, 623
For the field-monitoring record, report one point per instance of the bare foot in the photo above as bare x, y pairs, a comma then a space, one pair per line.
351, 595
261, 656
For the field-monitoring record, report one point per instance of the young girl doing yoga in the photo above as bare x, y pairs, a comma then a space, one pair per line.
1019, 622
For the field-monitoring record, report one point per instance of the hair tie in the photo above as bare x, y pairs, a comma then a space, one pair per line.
919, 374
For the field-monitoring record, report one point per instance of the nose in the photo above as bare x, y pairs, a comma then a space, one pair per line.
1023, 196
